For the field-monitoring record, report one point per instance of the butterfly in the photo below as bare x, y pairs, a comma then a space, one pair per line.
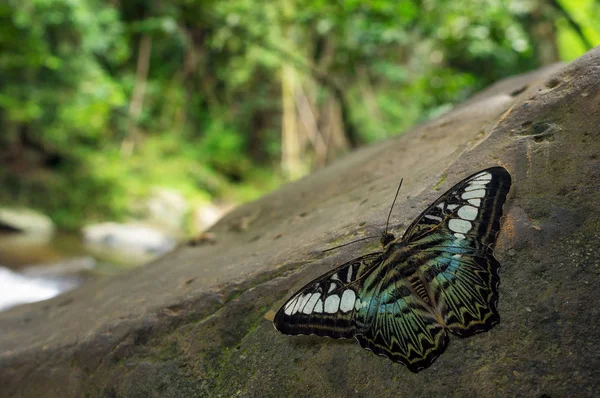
440, 278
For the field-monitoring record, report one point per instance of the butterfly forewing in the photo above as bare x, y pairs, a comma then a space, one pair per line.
441, 276
456, 252
471, 209
326, 305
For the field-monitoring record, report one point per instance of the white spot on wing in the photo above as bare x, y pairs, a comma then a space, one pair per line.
435, 218
478, 193
487, 177
467, 212
360, 304
452, 207
460, 226
348, 299
319, 307
310, 305
303, 300
475, 202
349, 278
297, 305
331, 288
290, 306
335, 277
459, 236
440, 205
332, 303
472, 186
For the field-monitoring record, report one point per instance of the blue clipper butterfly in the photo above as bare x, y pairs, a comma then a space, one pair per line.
441, 277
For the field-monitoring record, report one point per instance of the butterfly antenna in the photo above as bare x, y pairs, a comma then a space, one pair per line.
349, 243
385, 237
387, 223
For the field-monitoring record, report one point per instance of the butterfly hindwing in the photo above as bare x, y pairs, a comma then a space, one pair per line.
326, 305
399, 324
468, 294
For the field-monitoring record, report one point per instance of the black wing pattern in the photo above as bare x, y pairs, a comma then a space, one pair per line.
326, 306
440, 277
454, 240
397, 323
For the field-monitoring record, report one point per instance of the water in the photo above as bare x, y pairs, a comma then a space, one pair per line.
34, 268
18, 250
18, 288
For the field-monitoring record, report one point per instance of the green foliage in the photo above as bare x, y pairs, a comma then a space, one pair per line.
208, 116
578, 27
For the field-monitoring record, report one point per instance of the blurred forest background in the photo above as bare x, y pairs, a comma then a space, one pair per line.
222, 101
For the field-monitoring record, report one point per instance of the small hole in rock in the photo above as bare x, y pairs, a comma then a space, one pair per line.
552, 83
518, 91
539, 128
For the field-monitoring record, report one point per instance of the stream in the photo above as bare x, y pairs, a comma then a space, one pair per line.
34, 268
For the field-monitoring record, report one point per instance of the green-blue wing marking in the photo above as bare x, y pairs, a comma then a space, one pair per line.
466, 291
401, 326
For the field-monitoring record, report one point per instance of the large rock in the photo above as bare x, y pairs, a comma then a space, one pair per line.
193, 323
126, 243
25, 220
166, 209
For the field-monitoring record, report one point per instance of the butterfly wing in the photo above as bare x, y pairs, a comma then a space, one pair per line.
453, 241
326, 305
363, 299
472, 207
397, 324
465, 288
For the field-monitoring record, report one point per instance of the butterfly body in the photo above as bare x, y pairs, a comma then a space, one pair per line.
439, 278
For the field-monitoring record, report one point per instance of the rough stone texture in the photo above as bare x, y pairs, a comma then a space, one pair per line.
194, 322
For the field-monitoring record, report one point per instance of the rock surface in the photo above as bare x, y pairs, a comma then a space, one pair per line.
193, 323
25, 221
127, 243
